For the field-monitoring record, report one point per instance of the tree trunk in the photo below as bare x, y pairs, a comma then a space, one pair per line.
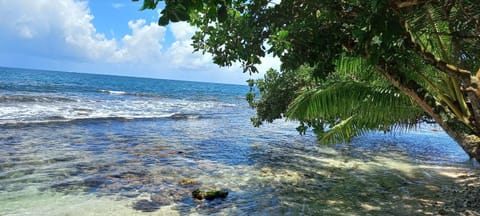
469, 142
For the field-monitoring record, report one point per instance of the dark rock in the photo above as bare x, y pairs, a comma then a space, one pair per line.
197, 194
209, 195
129, 194
129, 175
95, 181
162, 200
146, 206
65, 186
64, 159
442, 212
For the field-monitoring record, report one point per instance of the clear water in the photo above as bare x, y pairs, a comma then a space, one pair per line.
82, 144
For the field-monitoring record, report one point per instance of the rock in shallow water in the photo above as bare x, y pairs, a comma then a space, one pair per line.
146, 205
209, 195
161, 199
187, 181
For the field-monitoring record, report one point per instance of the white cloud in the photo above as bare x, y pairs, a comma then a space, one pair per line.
180, 53
269, 62
143, 45
63, 31
182, 30
63, 28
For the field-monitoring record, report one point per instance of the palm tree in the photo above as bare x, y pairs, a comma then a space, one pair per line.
427, 49
358, 101
446, 35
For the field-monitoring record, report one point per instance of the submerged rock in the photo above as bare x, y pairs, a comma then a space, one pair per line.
209, 195
146, 205
161, 199
95, 181
187, 181
68, 186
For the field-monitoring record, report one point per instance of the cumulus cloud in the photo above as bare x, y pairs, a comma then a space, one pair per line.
182, 30
180, 53
143, 45
63, 30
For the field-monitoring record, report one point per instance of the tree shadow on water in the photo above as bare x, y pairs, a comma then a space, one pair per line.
385, 185
278, 179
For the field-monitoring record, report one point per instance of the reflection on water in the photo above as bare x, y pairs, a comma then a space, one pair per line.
134, 168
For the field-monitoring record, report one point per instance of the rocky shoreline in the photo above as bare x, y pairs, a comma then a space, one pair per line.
462, 199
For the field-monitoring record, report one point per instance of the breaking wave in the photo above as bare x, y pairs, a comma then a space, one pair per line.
112, 92
61, 119
33, 99
22, 109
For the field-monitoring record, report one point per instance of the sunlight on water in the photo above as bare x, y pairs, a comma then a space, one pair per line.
131, 168
128, 146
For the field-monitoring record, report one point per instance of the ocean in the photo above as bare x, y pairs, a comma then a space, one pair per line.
88, 144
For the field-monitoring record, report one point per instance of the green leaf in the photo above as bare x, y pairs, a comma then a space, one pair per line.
163, 21
358, 106
149, 4
222, 13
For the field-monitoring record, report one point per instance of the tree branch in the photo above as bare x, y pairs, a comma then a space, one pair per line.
387, 71
404, 4
452, 70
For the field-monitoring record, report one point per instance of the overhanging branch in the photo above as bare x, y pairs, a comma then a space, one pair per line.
452, 70
388, 72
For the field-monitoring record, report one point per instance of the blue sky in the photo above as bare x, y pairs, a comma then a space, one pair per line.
107, 37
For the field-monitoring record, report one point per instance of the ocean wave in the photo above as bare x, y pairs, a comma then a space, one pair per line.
113, 92
32, 109
131, 93
184, 116
33, 99
62, 119
145, 95
134, 94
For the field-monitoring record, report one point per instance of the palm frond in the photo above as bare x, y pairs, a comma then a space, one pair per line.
355, 108
357, 69
449, 30
431, 25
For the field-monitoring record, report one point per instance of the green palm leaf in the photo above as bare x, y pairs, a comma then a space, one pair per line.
353, 108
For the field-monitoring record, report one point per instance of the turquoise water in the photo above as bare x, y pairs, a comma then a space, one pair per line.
83, 144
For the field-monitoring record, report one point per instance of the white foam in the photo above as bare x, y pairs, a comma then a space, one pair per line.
113, 92
83, 109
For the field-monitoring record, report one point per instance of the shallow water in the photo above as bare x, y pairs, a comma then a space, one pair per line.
111, 167
128, 154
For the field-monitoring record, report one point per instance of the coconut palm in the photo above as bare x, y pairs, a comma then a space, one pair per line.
358, 101
427, 49
359, 107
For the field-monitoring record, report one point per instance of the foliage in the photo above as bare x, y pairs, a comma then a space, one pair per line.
352, 108
427, 49
277, 91
348, 103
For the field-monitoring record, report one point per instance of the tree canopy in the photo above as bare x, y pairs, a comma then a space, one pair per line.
349, 66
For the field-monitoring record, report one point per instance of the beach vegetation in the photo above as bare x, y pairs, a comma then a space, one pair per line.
349, 66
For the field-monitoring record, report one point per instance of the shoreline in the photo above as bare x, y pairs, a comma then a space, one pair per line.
463, 197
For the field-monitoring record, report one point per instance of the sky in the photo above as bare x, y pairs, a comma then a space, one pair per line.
105, 37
